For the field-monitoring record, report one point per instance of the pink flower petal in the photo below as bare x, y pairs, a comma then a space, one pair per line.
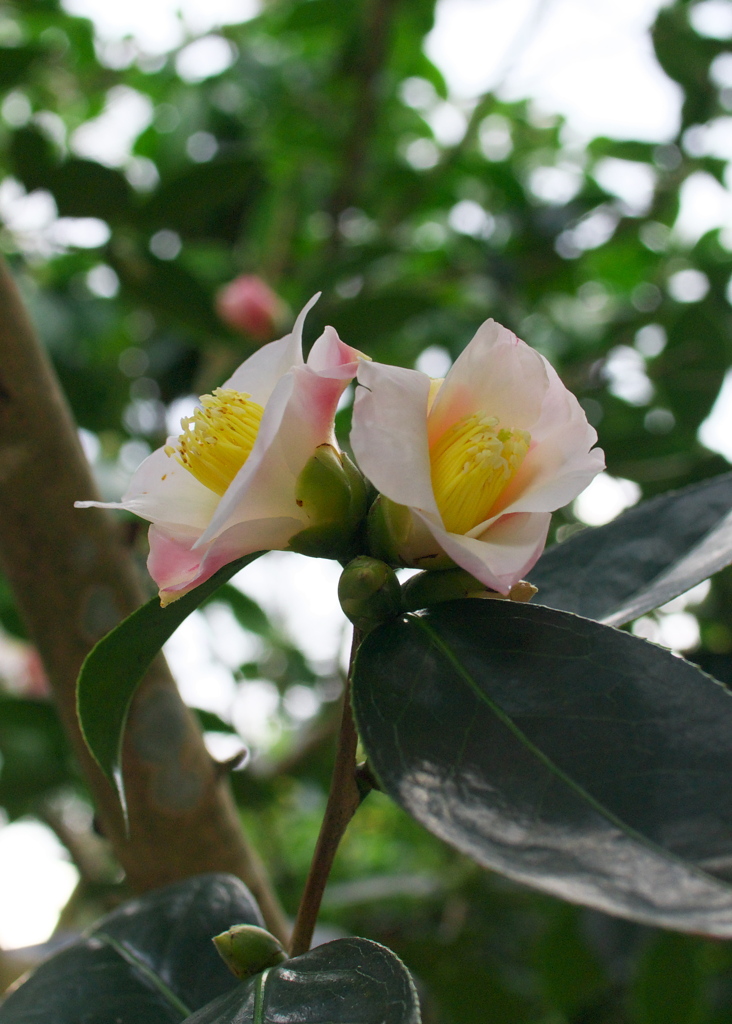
332, 357
498, 375
177, 566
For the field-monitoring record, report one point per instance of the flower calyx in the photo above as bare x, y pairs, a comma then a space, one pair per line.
395, 538
331, 492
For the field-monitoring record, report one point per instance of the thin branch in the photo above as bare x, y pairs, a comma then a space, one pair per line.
366, 78
73, 581
90, 854
347, 789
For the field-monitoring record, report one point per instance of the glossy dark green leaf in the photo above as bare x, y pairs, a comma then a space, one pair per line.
349, 981
114, 667
642, 559
151, 961
560, 752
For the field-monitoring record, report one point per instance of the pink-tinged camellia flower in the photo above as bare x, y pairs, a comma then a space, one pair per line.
470, 468
226, 486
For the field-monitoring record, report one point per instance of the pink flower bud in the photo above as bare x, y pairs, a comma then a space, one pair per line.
249, 305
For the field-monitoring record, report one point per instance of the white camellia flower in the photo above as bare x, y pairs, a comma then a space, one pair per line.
226, 486
470, 468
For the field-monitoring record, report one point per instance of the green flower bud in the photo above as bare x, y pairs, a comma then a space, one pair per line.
332, 493
428, 588
369, 592
247, 950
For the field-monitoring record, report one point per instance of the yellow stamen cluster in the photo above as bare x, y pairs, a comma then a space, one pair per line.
472, 463
218, 438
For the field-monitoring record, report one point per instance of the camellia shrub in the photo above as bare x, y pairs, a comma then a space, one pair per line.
162, 226
496, 700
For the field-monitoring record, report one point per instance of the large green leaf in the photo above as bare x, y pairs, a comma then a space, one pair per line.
349, 981
151, 961
643, 558
560, 752
114, 667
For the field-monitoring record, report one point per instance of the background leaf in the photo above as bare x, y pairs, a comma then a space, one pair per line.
338, 983
642, 559
151, 961
568, 755
248, 613
114, 667
34, 756
669, 984
84, 188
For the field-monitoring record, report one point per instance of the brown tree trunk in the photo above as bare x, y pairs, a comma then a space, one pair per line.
73, 581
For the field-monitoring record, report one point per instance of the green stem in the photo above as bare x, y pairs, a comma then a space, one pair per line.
343, 800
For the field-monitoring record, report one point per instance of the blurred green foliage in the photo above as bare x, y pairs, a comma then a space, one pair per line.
310, 161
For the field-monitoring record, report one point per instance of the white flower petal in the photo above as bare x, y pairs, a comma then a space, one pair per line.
497, 376
550, 479
389, 435
195, 531
298, 418
258, 375
162, 491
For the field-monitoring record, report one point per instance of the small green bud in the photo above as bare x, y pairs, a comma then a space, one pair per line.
332, 493
428, 588
369, 592
247, 950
